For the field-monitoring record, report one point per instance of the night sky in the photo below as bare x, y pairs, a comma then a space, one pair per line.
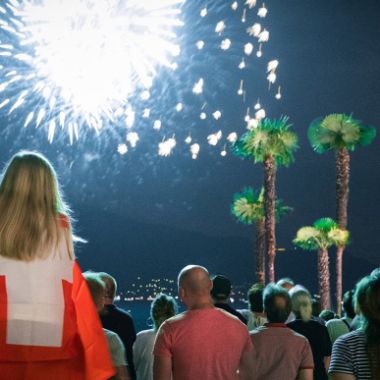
148, 215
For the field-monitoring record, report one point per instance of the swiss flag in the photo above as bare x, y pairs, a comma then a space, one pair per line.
49, 330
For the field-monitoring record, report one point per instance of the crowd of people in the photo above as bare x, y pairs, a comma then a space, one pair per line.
58, 323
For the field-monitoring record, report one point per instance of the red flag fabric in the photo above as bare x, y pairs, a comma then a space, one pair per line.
35, 342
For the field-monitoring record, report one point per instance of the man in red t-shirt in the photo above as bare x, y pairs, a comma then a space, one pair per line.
203, 342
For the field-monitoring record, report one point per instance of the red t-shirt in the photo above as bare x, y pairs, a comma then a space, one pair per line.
203, 344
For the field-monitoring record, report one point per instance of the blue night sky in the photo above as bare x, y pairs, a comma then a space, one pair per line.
147, 215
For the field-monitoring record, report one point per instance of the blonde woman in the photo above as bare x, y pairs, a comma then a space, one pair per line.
162, 308
314, 331
44, 332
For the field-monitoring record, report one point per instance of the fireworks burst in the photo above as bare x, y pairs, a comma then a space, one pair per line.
83, 59
76, 65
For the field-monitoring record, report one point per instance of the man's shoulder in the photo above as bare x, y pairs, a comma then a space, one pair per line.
115, 310
357, 336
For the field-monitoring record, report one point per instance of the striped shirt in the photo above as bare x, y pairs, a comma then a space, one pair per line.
349, 356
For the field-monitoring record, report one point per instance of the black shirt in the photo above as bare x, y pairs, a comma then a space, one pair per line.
231, 310
120, 322
320, 343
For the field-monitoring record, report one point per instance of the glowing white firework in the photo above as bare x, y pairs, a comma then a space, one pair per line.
252, 124
278, 94
223, 153
194, 149
234, 5
130, 119
251, 3
200, 44
220, 26
132, 138
271, 77
248, 48
262, 12
242, 64
157, 125
240, 91
217, 115
232, 137
203, 116
122, 149
257, 105
214, 138
254, 30
203, 12
272, 65
260, 114
165, 147
198, 86
225, 44
264, 36
188, 140
85, 57
146, 113
179, 107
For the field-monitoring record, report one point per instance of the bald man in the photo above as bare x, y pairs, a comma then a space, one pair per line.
204, 342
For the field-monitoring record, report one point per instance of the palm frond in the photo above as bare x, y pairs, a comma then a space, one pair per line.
273, 137
307, 238
325, 224
248, 206
338, 131
367, 134
338, 236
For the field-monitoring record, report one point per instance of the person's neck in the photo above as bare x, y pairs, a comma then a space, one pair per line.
201, 305
108, 301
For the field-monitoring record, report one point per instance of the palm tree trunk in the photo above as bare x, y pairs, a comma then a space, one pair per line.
269, 208
342, 192
260, 251
324, 278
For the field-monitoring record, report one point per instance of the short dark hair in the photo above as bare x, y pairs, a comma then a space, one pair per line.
221, 287
348, 303
255, 298
276, 312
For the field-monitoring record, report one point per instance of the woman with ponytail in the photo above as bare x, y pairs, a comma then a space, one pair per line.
314, 331
356, 355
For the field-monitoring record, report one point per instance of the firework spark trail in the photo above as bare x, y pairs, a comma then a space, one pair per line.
84, 58
73, 64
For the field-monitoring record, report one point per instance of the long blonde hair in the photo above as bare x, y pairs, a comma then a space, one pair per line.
31, 209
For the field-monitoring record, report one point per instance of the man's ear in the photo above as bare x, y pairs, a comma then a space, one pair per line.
181, 293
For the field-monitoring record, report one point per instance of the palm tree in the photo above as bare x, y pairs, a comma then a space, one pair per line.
273, 144
248, 208
341, 133
324, 233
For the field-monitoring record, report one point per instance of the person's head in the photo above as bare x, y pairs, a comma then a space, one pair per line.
221, 288
30, 204
301, 302
326, 315
162, 308
348, 304
367, 301
277, 304
96, 287
286, 283
255, 298
194, 286
111, 287
376, 272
